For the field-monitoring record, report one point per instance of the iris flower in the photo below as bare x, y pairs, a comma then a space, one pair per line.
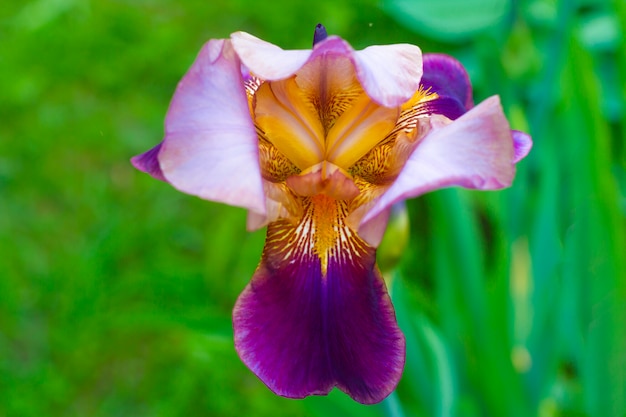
318, 145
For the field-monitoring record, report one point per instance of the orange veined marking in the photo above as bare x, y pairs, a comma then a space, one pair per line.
321, 232
327, 227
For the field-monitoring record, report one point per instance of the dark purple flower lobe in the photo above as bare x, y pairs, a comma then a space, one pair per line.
148, 162
446, 76
522, 143
316, 313
320, 34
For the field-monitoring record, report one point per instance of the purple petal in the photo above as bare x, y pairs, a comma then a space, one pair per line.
210, 147
447, 77
303, 332
475, 151
390, 74
148, 162
522, 143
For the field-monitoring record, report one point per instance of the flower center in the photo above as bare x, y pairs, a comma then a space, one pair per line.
321, 134
323, 122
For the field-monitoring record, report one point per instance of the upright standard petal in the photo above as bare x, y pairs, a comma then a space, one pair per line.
266, 60
447, 77
475, 151
210, 147
390, 74
316, 314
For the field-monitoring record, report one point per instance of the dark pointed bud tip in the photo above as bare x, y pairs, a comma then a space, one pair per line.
320, 34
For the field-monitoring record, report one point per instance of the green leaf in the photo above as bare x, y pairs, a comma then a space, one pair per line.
448, 20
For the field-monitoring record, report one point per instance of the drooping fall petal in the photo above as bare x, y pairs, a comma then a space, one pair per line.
208, 131
475, 151
316, 314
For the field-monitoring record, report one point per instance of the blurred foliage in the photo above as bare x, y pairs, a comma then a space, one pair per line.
116, 290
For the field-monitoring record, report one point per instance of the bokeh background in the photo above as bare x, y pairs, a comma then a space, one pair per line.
116, 291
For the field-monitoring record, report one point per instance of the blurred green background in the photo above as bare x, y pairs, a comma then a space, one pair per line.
116, 290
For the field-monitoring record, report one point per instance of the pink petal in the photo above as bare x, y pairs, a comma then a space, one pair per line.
373, 231
475, 151
210, 146
265, 60
390, 74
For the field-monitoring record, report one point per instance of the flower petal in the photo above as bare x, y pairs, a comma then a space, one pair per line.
447, 77
475, 151
358, 130
446, 106
373, 231
148, 162
390, 74
304, 327
522, 143
210, 147
265, 60
288, 123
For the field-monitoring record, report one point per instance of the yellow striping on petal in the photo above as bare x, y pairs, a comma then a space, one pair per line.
373, 166
412, 111
321, 235
275, 166
420, 96
359, 129
289, 123
326, 220
252, 85
368, 192
376, 171
332, 238
383, 163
